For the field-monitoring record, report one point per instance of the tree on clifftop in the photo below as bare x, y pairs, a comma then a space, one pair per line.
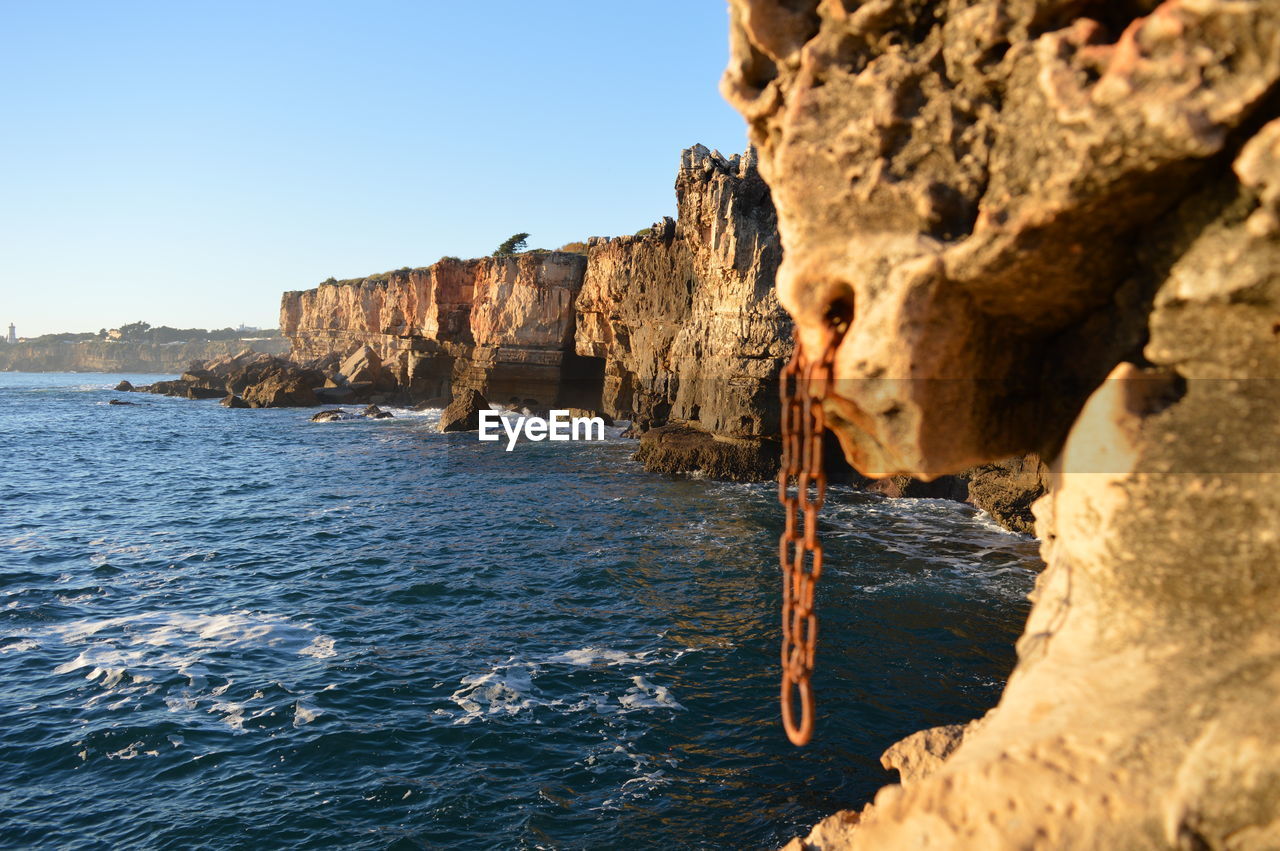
518, 242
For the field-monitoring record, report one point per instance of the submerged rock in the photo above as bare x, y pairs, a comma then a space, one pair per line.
261, 380
373, 412
331, 416
125, 387
121, 402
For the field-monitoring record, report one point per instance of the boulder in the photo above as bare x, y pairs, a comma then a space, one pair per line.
168, 388
463, 413
282, 390
234, 401
923, 752
364, 365
125, 387
686, 448
373, 412
197, 391
331, 416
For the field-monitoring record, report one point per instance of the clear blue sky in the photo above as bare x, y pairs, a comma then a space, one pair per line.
185, 162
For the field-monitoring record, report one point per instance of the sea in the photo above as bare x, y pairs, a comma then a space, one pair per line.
241, 629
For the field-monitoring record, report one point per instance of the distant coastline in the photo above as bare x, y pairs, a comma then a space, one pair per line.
126, 356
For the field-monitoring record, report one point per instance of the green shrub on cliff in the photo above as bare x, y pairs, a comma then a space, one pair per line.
513, 245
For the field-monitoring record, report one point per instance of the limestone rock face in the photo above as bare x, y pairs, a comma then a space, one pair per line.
495, 324
1011, 202
685, 318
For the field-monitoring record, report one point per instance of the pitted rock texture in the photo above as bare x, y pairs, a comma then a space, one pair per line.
1010, 202
686, 318
975, 182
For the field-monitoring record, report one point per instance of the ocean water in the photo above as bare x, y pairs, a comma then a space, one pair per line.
239, 629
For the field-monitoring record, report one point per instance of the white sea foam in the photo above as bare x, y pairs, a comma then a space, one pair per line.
320, 648
126, 657
305, 714
506, 689
22, 645
646, 695
601, 656
132, 752
509, 688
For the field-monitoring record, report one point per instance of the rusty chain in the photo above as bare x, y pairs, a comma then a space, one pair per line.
802, 487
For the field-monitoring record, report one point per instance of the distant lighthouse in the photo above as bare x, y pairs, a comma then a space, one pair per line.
13, 333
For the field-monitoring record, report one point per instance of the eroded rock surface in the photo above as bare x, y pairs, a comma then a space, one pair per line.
1009, 202
687, 322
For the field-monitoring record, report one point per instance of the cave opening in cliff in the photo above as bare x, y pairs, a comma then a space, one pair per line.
581, 382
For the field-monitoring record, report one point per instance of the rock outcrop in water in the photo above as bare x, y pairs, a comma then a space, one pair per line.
255, 379
1010, 202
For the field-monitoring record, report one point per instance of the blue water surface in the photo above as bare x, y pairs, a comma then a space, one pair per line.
239, 629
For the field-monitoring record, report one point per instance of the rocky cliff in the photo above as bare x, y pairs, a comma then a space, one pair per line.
501, 325
688, 325
1006, 204
112, 356
679, 328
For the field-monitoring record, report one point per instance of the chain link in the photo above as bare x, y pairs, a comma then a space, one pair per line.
802, 487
